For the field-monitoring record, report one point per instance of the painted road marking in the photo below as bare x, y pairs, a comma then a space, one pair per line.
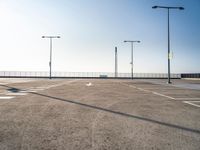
163, 95
192, 103
21, 94
51, 86
188, 98
38, 88
31, 91
132, 86
127, 85
89, 84
155, 93
141, 89
34, 89
6, 97
24, 92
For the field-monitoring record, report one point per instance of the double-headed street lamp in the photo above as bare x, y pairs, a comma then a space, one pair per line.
50, 37
132, 55
168, 8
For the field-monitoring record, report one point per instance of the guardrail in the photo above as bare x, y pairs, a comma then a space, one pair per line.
42, 74
190, 75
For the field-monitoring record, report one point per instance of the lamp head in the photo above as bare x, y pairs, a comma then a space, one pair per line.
154, 7
181, 8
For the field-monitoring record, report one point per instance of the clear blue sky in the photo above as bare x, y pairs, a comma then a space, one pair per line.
90, 29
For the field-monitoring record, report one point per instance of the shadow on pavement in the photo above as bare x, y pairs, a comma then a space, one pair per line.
111, 111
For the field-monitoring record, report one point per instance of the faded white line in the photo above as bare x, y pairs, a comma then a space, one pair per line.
166, 96
28, 91
188, 98
6, 97
33, 89
36, 88
21, 94
132, 86
192, 103
60, 84
163, 95
155, 93
143, 90
89, 84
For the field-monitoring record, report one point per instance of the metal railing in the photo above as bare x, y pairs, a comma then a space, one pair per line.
42, 74
190, 75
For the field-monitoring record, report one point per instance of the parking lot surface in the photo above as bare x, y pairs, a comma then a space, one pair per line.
95, 114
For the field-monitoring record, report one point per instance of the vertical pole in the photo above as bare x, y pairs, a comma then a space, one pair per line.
132, 60
168, 51
50, 58
116, 67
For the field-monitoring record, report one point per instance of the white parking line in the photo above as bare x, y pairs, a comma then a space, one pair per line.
188, 98
34, 89
21, 94
155, 93
192, 103
143, 90
163, 95
132, 86
6, 97
28, 91
31, 89
166, 96
54, 85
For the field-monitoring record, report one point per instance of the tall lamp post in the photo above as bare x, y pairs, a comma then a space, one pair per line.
132, 55
50, 64
168, 8
116, 65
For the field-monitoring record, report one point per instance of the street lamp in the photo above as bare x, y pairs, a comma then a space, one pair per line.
168, 8
50, 37
132, 55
